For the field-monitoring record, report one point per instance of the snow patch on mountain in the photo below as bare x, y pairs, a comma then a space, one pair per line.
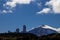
48, 27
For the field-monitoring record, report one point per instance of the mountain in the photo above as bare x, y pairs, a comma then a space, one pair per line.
43, 30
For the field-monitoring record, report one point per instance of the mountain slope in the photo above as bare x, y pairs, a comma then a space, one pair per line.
43, 30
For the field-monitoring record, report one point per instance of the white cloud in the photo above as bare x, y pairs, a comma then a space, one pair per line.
14, 2
53, 5
45, 10
39, 4
5, 11
9, 5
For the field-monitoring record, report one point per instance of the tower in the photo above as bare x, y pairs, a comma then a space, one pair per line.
9, 31
17, 30
24, 28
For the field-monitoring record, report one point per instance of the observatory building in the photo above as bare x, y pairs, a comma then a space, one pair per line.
24, 29
18, 35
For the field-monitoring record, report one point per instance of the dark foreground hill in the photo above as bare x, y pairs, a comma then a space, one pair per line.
17, 36
28, 36
53, 36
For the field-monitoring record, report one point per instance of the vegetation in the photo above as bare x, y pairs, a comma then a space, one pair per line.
54, 36
18, 36
28, 36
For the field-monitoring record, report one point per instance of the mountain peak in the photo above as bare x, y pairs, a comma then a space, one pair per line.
48, 27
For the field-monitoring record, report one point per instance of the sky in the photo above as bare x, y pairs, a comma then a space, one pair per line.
32, 13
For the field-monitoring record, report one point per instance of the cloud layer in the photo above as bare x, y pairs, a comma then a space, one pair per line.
53, 7
14, 2
9, 5
45, 10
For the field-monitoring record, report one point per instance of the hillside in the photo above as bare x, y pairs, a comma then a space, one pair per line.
53, 36
17, 36
28, 36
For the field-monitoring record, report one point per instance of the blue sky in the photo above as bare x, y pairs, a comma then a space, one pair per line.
32, 13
